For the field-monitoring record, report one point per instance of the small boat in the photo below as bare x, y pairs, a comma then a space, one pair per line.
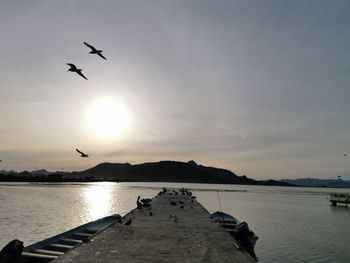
51, 248
240, 231
340, 199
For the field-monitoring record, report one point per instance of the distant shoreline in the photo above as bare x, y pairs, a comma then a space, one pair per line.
80, 180
161, 171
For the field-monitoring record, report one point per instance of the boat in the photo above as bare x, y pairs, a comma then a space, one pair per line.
245, 238
49, 249
340, 199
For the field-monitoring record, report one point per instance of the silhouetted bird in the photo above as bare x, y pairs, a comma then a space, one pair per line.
84, 155
150, 213
119, 220
138, 203
94, 50
11, 253
345, 155
181, 202
182, 207
73, 68
128, 223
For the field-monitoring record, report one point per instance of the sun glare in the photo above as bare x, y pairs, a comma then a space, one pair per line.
107, 118
98, 200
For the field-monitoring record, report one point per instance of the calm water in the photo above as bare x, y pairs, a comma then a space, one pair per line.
293, 224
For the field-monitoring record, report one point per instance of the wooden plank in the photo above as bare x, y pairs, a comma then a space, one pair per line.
38, 256
61, 246
48, 252
82, 234
71, 240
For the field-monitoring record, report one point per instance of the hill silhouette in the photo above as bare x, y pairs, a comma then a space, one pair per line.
168, 171
162, 171
314, 182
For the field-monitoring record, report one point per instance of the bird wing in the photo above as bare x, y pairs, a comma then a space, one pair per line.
79, 151
72, 66
81, 74
101, 55
88, 45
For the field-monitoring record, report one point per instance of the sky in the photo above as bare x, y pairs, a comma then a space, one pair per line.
258, 87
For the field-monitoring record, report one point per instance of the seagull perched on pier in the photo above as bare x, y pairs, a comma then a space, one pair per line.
138, 203
84, 155
94, 50
73, 68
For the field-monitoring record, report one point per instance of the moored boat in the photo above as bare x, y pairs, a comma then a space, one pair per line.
339, 198
51, 248
240, 231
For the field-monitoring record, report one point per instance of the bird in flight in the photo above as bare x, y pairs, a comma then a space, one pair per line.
94, 50
84, 155
73, 68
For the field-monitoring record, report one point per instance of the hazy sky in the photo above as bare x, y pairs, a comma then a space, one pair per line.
258, 87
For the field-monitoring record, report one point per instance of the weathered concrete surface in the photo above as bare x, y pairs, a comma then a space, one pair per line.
191, 237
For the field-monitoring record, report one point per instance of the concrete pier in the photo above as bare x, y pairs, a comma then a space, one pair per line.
175, 229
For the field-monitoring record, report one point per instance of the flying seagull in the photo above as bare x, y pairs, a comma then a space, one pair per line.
73, 68
94, 50
82, 154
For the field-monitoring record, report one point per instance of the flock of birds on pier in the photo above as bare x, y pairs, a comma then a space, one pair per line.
146, 203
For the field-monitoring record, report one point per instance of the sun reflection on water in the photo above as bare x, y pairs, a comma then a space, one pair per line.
98, 200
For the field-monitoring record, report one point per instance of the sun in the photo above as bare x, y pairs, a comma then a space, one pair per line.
107, 118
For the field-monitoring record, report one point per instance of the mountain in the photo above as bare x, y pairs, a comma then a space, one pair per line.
7, 172
169, 171
313, 182
40, 172
162, 171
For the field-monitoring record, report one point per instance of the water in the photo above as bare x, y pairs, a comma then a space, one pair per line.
293, 224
